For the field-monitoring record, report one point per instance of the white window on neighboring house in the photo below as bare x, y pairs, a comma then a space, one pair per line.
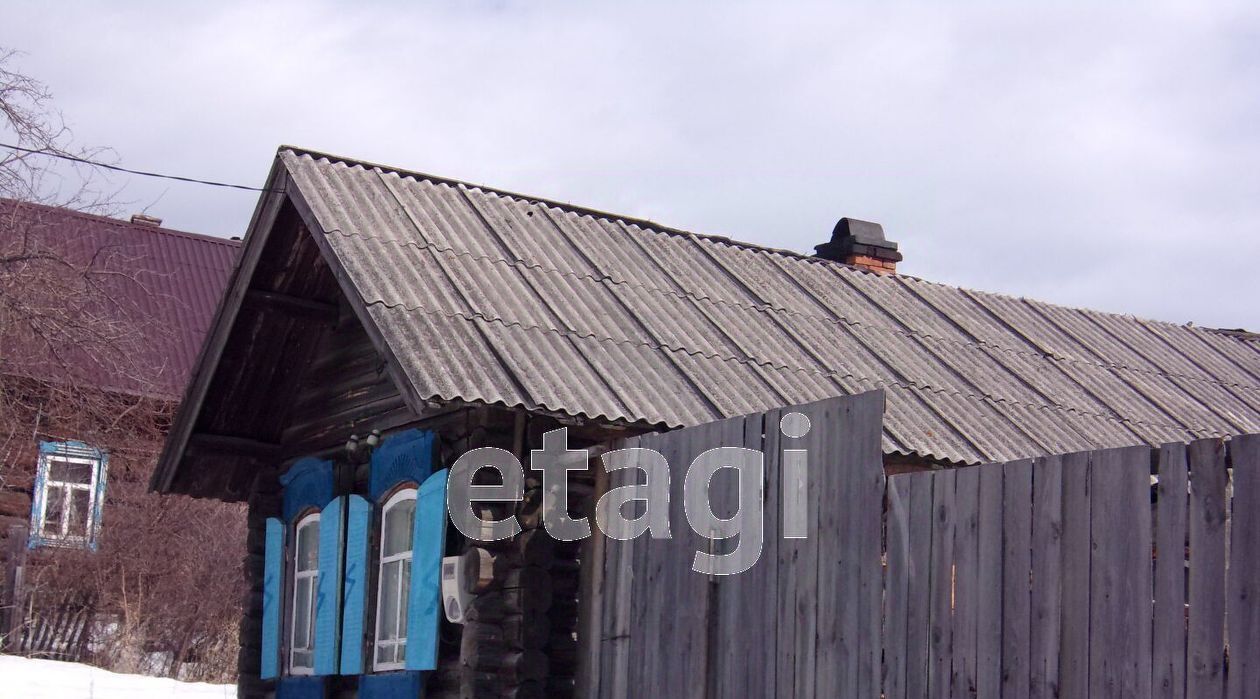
394, 582
69, 492
305, 575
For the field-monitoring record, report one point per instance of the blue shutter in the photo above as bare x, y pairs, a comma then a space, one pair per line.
273, 599
354, 590
424, 601
328, 589
102, 470
405, 456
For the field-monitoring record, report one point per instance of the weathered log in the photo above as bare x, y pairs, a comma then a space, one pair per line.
493, 606
525, 690
562, 651
521, 631
528, 576
14, 503
561, 688
532, 547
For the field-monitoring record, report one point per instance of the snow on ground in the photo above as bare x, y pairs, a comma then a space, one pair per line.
27, 678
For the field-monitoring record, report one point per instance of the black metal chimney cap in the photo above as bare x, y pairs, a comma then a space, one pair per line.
855, 237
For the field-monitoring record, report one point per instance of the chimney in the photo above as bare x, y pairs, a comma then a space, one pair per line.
145, 220
861, 244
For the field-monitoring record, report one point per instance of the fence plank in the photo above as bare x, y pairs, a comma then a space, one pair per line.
865, 456
1047, 528
647, 563
1243, 605
989, 584
942, 561
1074, 646
897, 534
618, 580
966, 595
920, 584
746, 625
1205, 651
1168, 654
1017, 566
798, 576
1120, 580
836, 663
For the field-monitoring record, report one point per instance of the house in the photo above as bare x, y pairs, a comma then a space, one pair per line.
381, 322
100, 323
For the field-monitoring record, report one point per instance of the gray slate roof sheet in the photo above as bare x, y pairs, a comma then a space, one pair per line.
492, 297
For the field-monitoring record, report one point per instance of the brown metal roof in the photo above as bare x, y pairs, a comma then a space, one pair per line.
494, 297
151, 294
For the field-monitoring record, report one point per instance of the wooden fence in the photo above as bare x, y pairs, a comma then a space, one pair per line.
1125, 572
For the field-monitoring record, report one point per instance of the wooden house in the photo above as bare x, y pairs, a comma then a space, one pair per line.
100, 323
381, 322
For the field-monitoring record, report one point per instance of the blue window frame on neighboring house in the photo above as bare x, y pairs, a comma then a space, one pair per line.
69, 492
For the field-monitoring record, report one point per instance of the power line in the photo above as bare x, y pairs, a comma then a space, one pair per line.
129, 171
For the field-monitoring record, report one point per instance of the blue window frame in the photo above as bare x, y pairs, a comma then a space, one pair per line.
69, 493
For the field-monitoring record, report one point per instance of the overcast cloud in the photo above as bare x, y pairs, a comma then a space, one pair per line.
1102, 158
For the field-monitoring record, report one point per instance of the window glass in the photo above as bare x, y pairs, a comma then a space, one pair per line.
308, 546
390, 579
305, 573
54, 504
67, 471
397, 536
77, 517
394, 585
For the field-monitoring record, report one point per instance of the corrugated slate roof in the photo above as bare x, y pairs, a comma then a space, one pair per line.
155, 288
500, 298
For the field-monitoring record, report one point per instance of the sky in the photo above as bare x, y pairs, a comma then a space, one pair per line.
1099, 157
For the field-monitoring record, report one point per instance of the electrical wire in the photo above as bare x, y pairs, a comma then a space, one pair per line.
142, 173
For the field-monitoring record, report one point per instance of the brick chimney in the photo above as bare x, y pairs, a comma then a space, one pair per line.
145, 220
861, 244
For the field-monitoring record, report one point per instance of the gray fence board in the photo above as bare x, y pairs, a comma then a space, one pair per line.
837, 572
618, 582
1243, 604
918, 651
1047, 528
863, 458
989, 585
1168, 654
1016, 568
1205, 644
1120, 581
940, 620
966, 576
1074, 649
897, 590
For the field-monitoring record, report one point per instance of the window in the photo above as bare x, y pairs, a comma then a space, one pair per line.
305, 573
394, 582
69, 486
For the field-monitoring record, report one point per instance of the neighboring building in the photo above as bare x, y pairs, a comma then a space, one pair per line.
450, 316
100, 324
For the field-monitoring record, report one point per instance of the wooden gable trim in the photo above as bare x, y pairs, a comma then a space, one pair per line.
259, 230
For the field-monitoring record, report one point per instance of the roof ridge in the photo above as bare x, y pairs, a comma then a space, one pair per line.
654, 227
121, 223
644, 223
